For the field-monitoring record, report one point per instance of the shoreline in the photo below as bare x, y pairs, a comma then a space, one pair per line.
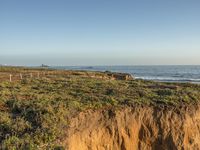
39, 107
165, 79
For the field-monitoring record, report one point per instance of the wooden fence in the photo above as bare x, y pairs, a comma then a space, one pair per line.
17, 76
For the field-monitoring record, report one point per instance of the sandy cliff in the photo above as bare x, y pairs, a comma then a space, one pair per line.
135, 128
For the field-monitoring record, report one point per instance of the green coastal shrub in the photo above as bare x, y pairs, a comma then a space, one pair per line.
165, 92
34, 113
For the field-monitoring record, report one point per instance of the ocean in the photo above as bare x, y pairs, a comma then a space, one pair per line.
156, 73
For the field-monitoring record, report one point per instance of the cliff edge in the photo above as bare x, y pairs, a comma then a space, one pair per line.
81, 110
133, 128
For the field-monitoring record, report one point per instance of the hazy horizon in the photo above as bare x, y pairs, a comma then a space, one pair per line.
94, 33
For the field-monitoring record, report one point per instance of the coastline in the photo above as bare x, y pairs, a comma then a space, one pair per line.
165, 73
54, 107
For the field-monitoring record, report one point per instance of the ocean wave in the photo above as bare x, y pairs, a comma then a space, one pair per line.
168, 79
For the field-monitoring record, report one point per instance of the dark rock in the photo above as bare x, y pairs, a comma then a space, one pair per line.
119, 76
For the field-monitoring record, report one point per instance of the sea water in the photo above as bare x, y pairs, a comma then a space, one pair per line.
156, 73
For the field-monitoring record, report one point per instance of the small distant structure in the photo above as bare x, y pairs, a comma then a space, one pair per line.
3, 65
44, 66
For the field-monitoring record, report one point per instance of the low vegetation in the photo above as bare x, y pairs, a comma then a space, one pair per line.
34, 112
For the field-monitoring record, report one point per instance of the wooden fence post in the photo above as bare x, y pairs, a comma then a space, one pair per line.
38, 75
10, 78
31, 75
21, 76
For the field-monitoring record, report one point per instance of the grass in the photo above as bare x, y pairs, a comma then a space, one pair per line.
34, 113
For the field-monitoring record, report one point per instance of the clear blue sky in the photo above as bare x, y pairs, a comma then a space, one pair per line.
99, 32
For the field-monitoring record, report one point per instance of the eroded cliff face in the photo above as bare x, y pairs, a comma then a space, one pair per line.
135, 128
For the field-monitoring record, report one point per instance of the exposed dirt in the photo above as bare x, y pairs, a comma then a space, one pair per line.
144, 128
